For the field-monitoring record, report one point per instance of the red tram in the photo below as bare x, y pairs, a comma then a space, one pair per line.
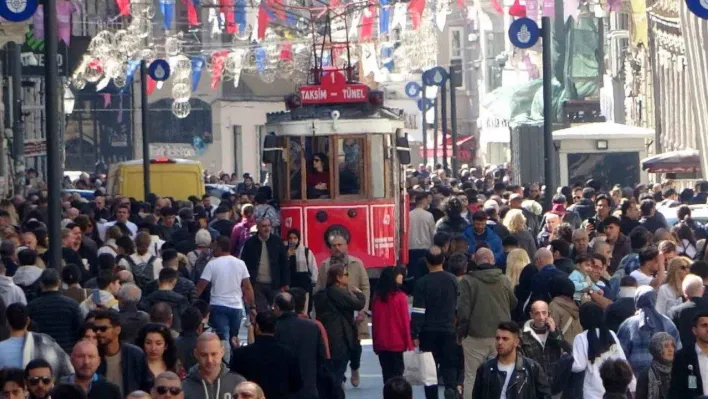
335, 159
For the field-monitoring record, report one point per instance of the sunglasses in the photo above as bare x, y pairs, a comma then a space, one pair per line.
174, 391
316, 160
37, 380
100, 328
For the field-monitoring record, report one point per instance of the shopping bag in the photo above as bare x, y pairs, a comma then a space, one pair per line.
420, 368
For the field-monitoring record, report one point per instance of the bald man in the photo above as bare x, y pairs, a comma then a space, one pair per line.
248, 390
542, 340
540, 284
477, 320
167, 386
211, 379
85, 359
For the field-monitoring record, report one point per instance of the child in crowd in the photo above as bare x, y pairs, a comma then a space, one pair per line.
581, 277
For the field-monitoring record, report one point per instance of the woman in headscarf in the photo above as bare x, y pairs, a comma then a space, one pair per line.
635, 333
653, 383
592, 348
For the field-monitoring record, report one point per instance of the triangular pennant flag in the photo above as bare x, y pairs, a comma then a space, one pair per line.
416, 7
367, 22
197, 68
167, 7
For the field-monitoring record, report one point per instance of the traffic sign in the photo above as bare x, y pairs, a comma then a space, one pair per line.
17, 10
524, 32
424, 103
413, 89
159, 70
698, 7
456, 77
436, 76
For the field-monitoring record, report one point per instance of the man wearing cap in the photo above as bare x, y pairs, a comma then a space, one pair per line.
221, 222
491, 208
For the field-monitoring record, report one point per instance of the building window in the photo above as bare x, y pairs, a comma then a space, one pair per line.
457, 48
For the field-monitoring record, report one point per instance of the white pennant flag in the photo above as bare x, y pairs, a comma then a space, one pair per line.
400, 11
368, 58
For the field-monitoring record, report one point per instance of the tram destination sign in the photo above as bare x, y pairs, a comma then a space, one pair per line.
334, 90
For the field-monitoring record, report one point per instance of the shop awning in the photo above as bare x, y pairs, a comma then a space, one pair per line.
683, 161
465, 145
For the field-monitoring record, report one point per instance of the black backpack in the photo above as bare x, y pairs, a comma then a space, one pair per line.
143, 272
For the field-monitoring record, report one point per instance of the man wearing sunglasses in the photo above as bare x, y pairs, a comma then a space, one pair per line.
167, 385
39, 379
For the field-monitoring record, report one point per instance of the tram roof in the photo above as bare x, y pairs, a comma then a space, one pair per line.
346, 111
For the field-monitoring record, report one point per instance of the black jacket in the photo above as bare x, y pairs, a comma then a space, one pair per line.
57, 316
335, 307
622, 248
528, 381
627, 225
269, 364
304, 339
685, 365
682, 316
100, 389
131, 321
565, 265
279, 270
653, 223
177, 302
183, 287
185, 344
619, 311
136, 374
585, 208
453, 226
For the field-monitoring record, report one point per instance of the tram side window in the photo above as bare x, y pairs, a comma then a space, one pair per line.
295, 167
319, 182
377, 170
350, 165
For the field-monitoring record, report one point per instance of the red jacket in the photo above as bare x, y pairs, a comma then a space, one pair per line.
391, 324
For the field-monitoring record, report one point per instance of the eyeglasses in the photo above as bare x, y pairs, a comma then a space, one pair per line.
316, 160
37, 380
100, 328
576, 198
174, 391
684, 267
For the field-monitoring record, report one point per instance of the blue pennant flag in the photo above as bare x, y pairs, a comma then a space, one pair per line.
197, 68
133, 66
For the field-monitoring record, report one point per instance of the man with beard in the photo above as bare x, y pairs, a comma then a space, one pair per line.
510, 368
85, 360
39, 379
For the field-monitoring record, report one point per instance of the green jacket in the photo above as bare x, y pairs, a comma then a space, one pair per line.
486, 299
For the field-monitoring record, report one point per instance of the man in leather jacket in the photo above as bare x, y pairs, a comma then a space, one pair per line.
510, 375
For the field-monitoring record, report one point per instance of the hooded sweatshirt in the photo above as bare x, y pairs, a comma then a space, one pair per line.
564, 312
10, 293
486, 299
177, 302
27, 278
223, 387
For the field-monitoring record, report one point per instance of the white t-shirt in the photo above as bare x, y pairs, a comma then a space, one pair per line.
592, 384
509, 369
642, 279
226, 274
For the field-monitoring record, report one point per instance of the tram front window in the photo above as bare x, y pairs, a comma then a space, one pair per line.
295, 148
350, 165
318, 180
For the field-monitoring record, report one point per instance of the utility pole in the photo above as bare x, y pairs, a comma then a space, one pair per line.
549, 148
425, 126
14, 50
144, 129
52, 121
455, 82
443, 116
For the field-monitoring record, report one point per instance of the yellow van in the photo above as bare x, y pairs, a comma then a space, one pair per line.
169, 177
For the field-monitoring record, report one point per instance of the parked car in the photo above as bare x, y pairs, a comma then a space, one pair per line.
699, 213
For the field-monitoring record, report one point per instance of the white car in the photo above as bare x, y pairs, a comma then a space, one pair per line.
699, 213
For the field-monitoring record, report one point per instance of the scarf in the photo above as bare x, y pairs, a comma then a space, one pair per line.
600, 340
659, 373
645, 302
540, 331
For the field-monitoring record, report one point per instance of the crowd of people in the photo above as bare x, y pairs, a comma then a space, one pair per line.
596, 297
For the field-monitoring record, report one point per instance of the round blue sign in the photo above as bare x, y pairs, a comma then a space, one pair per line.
17, 10
159, 70
698, 7
436, 76
523, 33
424, 104
413, 89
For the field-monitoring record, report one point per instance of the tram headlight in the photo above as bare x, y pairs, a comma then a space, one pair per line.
335, 115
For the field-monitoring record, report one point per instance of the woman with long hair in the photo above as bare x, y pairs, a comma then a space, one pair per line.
686, 245
9, 207
390, 324
318, 177
515, 263
303, 266
670, 293
159, 347
592, 348
515, 221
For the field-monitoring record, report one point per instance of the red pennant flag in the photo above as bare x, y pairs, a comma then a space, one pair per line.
497, 7
415, 8
218, 60
192, 18
286, 51
367, 22
262, 21
151, 84
517, 10
123, 7
227, 7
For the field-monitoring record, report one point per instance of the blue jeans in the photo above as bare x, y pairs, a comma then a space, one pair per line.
225, 321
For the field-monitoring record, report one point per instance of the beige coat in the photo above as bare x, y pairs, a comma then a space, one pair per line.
564, 313
358, 278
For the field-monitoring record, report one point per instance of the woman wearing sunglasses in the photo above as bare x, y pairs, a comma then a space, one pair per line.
159, 347
318, 177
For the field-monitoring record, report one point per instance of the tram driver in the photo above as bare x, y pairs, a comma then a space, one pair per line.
318, 178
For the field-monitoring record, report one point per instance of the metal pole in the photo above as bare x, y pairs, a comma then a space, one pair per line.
435, 134
425, 127
453, 128
443, 117
144, 123
52, 120
18, 128
549, 149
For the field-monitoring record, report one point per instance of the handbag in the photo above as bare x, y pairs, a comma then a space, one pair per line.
420, 368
